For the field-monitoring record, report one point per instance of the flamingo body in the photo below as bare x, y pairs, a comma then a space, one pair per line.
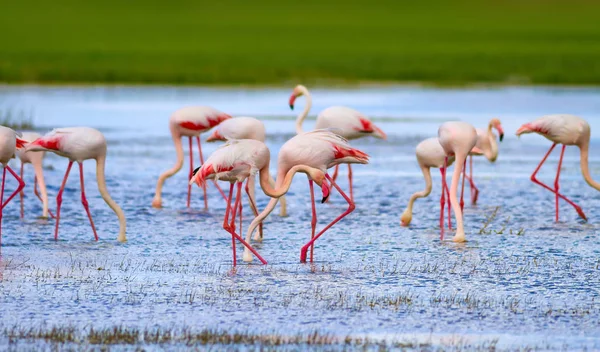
239, 128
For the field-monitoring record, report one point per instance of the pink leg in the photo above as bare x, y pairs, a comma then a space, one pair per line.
85, 202
240, 209
313, 222
215, 182
444, 186
230, 227
556, 184
226, 223
474, 189
189, 193
351, 207
350, 182
535, 180
1, 199
462, 191
19, 189
21, 194
59, 199
37, 194
449, 207
335, 172
442, 200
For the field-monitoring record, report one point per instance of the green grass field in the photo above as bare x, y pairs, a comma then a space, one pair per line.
310, 41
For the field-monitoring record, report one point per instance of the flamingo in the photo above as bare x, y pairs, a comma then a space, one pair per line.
234, 162
311, 153
458, 139
35, 159
9, 142
429, 154
79, 144
348, 123
488, 147
244, 128
189, 122
566, 130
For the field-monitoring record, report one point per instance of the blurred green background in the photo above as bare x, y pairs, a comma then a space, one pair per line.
315, 42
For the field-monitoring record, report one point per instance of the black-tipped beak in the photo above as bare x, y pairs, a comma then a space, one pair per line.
501, 137
324, 199
292, 106
196, 171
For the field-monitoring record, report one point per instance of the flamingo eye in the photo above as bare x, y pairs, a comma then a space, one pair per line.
196, 170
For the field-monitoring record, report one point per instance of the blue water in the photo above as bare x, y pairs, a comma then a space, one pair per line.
526, 280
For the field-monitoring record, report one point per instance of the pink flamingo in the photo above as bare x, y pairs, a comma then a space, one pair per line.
245, 128
311, 153
235, 162
457, 139
488, 147
79, 144
347, 122
566, 130
430, 154
188, 122
9, 142
35, 159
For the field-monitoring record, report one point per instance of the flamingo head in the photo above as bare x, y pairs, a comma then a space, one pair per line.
524, 129
200, 173
498, 126
319, 177
216, 136
43, 144
21, 143
298, 91
405, 218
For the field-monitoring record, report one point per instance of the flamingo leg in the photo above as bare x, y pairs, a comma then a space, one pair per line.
335, 172
37, 194
19, 189
536, 181
59, 199
449, 206
351, 207
350, 182
253, 206
556, 183
1, 199
85, 202
189, 192
462, 191
22, 194
226, 224
313, 222
444, 187
204, 185
442, 200
230, 227
240, 209
474, 189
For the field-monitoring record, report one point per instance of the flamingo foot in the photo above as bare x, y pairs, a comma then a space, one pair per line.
247, 257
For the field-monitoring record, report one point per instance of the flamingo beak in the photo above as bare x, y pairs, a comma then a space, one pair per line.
292, 100
326, 191
378, 132
195, 179
500, 131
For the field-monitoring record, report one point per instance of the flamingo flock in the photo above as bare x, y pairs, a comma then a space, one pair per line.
244, 155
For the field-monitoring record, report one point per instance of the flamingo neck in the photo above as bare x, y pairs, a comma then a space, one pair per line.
111, 203
304, 112
492, 154
178, 165
585, 170
406, 216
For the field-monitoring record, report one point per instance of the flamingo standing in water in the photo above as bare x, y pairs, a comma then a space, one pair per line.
566, 130
347, 122
79, 144
235, 162
9, 142
488, 147
458, 139
189, 122
430, 154
35, 159
244, 128
311, 153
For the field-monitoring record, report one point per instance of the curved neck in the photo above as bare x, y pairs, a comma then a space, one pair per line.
424, 193
284, 180
111, 203
304, 113
178, 164
492, 155
585, 170
260, 217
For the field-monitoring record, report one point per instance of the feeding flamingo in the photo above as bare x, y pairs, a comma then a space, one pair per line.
35, 159
235, 162
488, 147
430, 154
457, 138
9, 142
311, 153
566, 130
244, 128
348, 123
188, 122
79, 144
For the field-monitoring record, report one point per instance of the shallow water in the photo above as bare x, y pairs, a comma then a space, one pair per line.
523, 279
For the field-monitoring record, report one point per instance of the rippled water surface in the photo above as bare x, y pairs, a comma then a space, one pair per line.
521, 278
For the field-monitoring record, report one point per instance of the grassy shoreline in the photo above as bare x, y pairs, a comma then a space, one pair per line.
314, 42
